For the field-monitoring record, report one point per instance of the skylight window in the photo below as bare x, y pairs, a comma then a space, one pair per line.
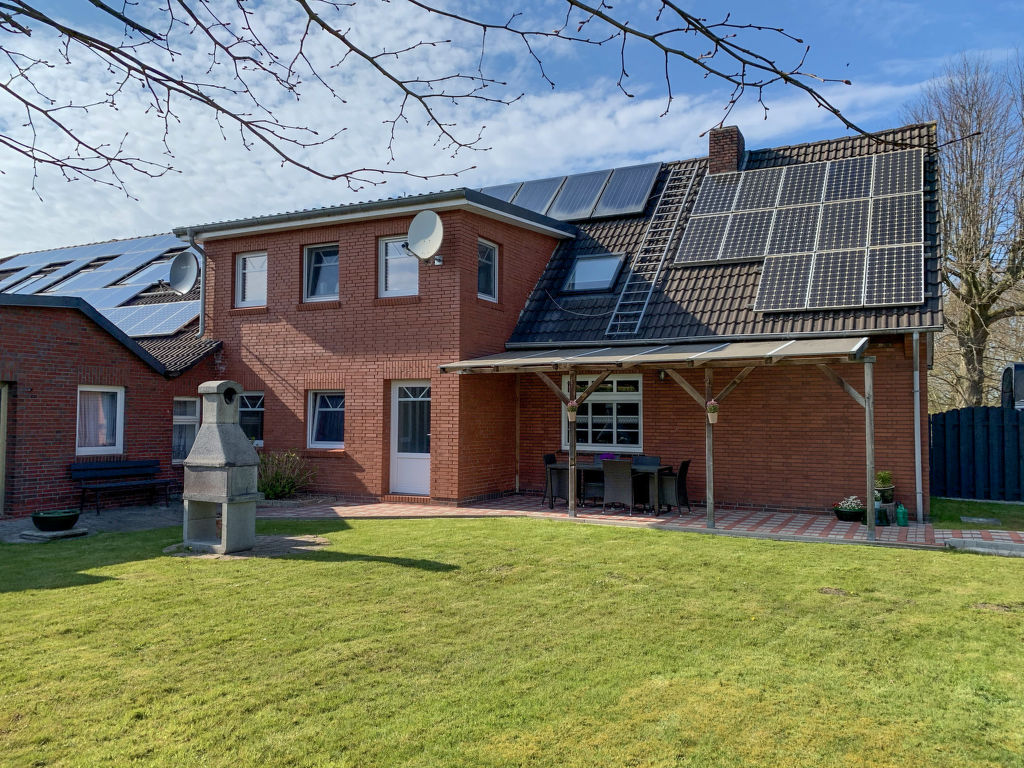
594, 272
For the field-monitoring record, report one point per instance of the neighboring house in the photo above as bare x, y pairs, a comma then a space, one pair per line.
777, 277
99, 360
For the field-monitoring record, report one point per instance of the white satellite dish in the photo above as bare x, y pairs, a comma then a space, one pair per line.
425, 234
184, 272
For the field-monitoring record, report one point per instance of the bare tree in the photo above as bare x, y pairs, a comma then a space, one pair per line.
144, 47
980, 114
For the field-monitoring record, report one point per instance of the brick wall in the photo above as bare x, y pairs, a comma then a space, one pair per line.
362, 343
786, 437
47, 354
725, 149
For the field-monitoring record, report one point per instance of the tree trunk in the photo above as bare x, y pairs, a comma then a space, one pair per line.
973, 341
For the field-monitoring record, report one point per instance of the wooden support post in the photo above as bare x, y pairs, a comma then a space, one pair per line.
5, 391
869, 438
709, 451
572, 447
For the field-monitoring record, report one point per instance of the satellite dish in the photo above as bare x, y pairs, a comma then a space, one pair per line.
184, 272
425, 233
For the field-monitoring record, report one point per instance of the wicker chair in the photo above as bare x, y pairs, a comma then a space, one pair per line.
642, 480
556, 481
593, 482
673, 488
618, 483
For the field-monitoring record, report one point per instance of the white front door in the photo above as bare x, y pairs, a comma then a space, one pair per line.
410, 437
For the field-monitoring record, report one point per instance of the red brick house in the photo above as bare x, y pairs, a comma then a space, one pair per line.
774, 277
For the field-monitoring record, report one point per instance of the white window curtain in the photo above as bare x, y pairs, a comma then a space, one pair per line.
97, 419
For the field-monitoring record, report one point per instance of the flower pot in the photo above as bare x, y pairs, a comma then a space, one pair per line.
55, 520
850, 515
713, 418
886, 492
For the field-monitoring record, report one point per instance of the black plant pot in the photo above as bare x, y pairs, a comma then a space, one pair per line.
57, 520
850, 515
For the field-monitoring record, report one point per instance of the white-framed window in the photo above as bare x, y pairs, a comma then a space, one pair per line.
594, 272
185, 426
100, 428
250, 416
486, 270
326, 419
251, 280
610, 418
320, 273
398, 270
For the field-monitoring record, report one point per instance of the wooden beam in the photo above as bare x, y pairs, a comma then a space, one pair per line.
869, 440
734, 383
678, 379
554, 387
709, 451
592, 388
5, 391
572, 449
842, 384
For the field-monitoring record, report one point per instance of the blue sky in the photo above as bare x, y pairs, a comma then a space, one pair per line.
887, 49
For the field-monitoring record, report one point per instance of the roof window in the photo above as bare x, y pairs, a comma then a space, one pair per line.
594, 272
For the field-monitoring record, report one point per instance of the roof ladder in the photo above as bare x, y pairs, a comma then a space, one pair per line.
647, 264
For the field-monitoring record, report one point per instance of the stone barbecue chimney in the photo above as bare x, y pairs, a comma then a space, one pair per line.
220, 476
725, 149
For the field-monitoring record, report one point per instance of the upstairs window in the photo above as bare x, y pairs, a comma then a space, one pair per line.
185, 425
251, 280
594, 272
321, 273
398, 269
100, 421
326, 419
250, 416
487, 270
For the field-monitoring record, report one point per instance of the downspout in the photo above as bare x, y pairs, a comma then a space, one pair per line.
918, 472
202, 281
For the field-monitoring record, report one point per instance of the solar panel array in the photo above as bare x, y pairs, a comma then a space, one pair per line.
598, 194
843, 233
106, 275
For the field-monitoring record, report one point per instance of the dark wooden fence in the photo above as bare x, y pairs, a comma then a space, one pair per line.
977, 453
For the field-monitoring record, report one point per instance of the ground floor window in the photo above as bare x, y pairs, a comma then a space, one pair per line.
327, 419
185, 427
250, 416
610, 417
100, 420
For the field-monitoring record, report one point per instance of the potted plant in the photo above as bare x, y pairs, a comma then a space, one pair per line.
711, 406
850, 510
884, 486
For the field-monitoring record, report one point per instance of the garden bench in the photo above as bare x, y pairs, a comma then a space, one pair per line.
100, 476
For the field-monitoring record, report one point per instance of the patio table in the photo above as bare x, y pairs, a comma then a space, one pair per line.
654, 487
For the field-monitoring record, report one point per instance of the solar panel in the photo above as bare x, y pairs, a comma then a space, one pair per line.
702, 239
578, 195
628, 190
146, 276
537, 195
783, 283
843, 225
795, 230
802, 184
503, 191
17, 277
166, 319
760, 189
125, 318
716, 193
898, 173
897, 220
837, 280
105, 298
747, 235
894, 276
849, 179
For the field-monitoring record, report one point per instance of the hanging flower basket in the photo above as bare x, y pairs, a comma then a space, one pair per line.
711, 407
570, 409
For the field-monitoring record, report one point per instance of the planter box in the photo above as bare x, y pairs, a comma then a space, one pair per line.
851, 515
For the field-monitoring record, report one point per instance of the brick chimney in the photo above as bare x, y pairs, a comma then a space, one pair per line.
725, 149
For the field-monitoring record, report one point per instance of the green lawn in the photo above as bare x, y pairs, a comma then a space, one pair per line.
509, 642
945, 513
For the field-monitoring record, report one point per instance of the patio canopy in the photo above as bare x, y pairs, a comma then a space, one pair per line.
707, 354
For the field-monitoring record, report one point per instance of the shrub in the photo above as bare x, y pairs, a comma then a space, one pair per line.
282, 475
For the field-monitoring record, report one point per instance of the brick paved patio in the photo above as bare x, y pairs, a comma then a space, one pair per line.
759, 524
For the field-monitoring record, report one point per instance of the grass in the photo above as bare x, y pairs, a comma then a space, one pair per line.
509, 642
945, 513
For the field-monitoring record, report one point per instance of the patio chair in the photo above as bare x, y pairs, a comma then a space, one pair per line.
556, 481
673, 488
593, 483
618, 484
642, 480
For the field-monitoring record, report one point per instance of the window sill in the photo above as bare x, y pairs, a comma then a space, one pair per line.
260, 310
310, 305
494, 303
324, 453
390, 301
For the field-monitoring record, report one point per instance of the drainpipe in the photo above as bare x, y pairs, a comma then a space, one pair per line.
918, 479
202, 281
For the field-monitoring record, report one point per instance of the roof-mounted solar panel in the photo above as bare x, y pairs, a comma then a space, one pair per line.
844, 225
894, 276
504, 192
849, 179
897, 220
578, 195
783, 283
537, 195
702, 239
802, 184
837, 280
628, 190
760, 189
166, 319
747, 235
716, 194
795, 230
898, 173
